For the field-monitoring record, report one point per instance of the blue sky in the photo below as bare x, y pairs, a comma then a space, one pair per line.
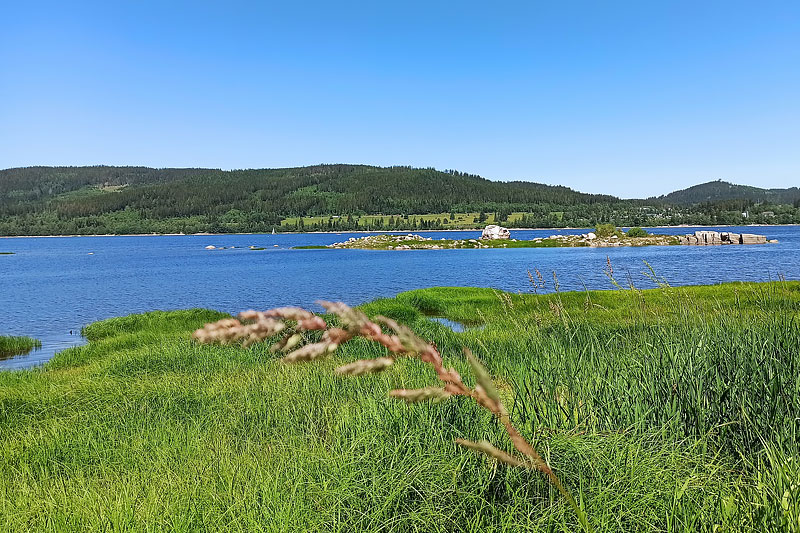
629, 98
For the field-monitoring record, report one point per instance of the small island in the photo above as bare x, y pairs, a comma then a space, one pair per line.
604, 235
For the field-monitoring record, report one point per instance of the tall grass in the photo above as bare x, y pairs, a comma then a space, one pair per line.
665, 410
11, 346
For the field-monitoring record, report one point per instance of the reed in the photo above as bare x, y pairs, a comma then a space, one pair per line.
11, 346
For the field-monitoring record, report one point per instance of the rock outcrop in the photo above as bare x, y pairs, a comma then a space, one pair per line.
749, 238
709, 238
493, 232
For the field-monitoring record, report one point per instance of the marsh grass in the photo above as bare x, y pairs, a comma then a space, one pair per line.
11, 346
664, 410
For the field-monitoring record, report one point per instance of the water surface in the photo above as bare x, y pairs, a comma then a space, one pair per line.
52, 286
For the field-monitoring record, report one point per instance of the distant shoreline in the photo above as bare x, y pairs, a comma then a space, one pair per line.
383, 231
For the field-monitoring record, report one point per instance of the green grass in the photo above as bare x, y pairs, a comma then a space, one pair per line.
86, 192
11, 346
666, 410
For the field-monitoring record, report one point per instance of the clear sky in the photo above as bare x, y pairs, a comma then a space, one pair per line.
630, 98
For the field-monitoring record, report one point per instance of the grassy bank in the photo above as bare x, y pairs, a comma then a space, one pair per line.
11, 346
666, 410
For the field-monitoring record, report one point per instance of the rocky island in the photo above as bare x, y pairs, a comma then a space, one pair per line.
498, 237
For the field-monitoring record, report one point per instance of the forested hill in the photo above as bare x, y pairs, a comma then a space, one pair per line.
104, 199
720, 191
323, 189
109, 200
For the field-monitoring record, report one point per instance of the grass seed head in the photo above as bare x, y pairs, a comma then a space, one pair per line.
485, 384
365, 366
434, 394
291, 342
485, 447
353, 319
289, 313
311, 324
310, 352
337, 336
407, 338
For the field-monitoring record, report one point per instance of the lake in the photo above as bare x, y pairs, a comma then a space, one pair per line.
53, 286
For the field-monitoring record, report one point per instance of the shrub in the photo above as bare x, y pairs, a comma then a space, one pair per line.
636, 232
605, 230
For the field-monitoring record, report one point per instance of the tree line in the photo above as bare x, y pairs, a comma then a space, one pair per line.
112, 200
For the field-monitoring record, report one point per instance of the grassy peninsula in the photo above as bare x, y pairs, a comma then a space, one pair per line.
11, 346
672, 409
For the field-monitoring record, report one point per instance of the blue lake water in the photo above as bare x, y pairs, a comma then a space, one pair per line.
52, 286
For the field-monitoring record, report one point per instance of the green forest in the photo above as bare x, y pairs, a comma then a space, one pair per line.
134, 200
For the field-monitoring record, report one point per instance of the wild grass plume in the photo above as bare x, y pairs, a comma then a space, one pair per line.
254, 326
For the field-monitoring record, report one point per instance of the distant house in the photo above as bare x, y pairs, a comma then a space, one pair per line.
768, 213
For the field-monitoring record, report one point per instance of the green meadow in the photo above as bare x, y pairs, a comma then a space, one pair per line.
672, 409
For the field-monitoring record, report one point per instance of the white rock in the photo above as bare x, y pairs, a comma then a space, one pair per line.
493, 231
591, 236
211, 247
